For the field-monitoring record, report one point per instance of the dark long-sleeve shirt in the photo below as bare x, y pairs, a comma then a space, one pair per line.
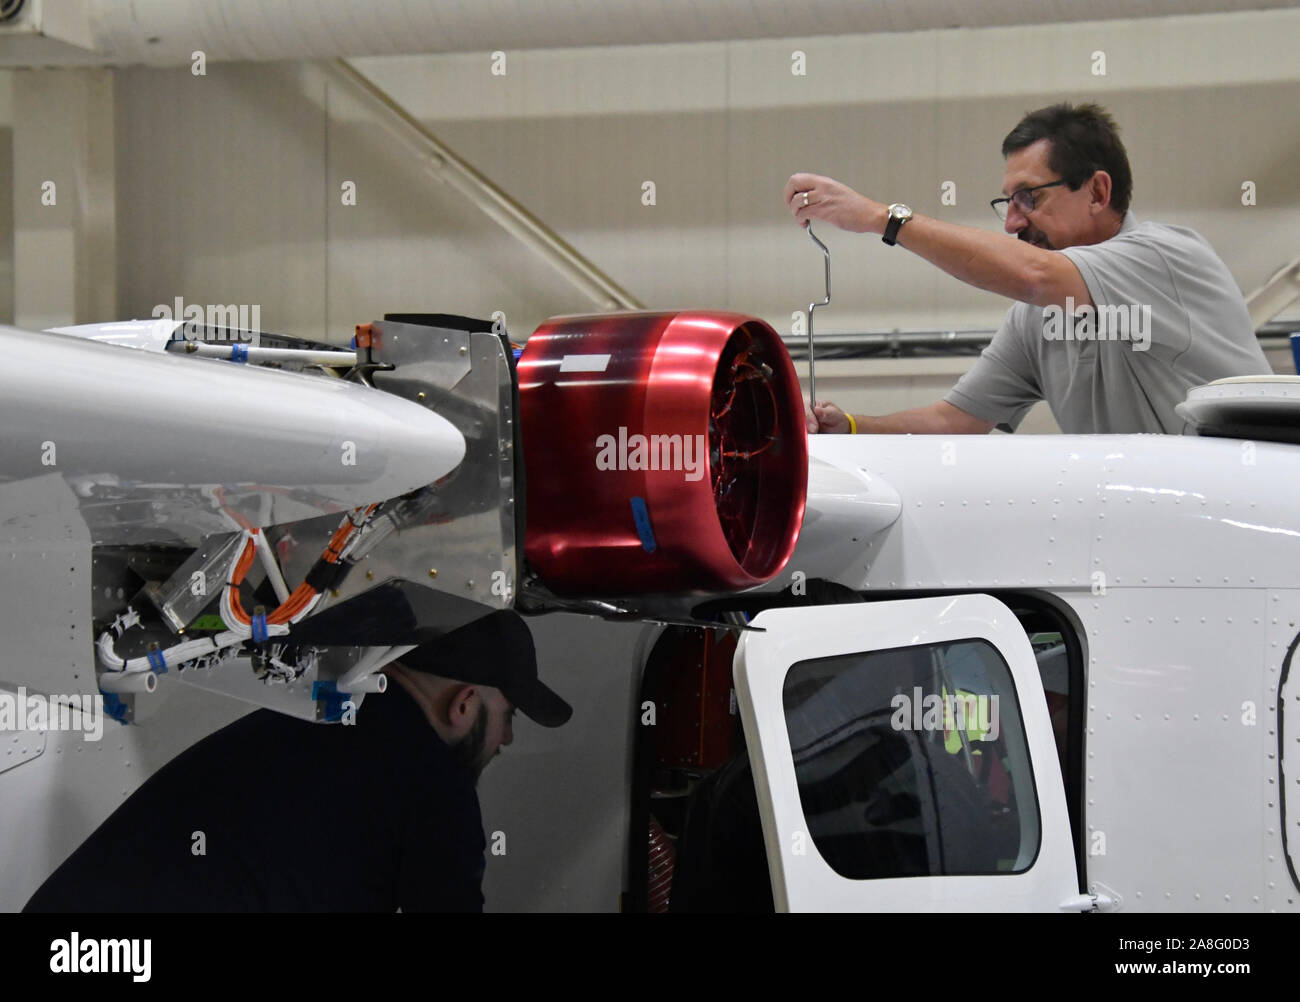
294, 816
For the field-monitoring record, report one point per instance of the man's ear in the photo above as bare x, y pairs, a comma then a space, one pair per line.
462, 709
1099, 188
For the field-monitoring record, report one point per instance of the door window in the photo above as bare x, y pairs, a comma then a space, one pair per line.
913, 761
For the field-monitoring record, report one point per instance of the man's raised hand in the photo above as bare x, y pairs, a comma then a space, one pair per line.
811, 196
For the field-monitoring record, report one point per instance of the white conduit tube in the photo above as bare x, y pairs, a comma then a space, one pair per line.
371, 662
176, 655
124, 681
271, 567
248, 353
371, 683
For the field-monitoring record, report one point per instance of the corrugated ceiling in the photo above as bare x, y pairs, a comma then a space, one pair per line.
167, 31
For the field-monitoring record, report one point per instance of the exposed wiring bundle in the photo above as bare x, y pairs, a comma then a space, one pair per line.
258, 627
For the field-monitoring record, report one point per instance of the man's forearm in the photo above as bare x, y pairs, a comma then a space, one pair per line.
987, 260
940, 418
914, 422
981, 258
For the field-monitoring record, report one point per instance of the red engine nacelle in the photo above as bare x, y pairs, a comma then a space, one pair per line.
665, 452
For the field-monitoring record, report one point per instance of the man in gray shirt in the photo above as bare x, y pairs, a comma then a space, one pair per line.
1115, 319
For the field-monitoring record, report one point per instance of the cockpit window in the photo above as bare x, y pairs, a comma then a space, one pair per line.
912, 762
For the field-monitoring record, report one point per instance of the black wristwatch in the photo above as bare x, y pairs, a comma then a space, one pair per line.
898, 215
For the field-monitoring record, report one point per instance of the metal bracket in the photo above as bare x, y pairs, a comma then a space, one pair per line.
812, 368
1099, 899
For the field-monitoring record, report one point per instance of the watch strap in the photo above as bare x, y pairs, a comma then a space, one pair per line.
892, 227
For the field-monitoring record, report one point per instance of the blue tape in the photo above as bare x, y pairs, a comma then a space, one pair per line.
328, 692
641, 515
258, 624
517, 353
239, 353
157, 661
115, 706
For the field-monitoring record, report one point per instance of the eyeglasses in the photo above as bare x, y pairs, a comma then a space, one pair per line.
1024, 199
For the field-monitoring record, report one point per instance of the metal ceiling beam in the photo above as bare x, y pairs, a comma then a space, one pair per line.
446, 165
1275, 295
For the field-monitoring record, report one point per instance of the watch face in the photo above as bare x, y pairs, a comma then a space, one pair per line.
898, 215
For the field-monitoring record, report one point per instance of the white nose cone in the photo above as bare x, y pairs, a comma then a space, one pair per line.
103, 412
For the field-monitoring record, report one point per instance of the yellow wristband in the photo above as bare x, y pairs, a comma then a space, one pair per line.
853, 425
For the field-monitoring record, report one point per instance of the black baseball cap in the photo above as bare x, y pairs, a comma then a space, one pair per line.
494, 650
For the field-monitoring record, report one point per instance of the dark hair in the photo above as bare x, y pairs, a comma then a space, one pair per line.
1084, 139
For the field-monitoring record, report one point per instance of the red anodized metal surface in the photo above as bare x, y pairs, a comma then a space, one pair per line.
712, 400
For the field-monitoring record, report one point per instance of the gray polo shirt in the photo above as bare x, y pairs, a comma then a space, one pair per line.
1168, 316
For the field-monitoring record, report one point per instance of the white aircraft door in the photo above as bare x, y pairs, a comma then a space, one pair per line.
904, 760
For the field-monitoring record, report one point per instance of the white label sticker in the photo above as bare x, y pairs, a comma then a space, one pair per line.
584, 363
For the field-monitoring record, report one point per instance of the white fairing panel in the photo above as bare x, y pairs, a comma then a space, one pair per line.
145, 335
146, 440
835, 742
846, 512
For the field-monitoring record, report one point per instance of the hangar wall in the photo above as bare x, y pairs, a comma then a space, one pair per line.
241, 169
